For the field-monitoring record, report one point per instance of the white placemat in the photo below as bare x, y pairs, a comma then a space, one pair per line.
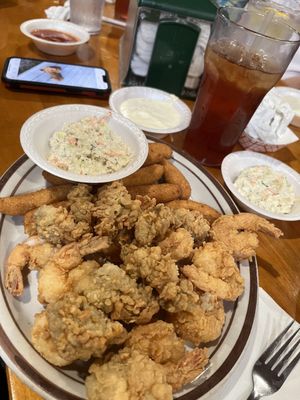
269, 322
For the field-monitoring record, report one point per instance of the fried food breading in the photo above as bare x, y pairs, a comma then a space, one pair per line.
67, 222
33, 253
193, 222
109, 289
58, 226
157, 152
28, 220
79, 330
214, 270
53, 263
178, 296
173, 175
157, 340
21, 203
168, 263
144, 176
179, 244
238, 233
209, 213
187, 369
162, 192
115, 211
153, 225
149, 264
202, 322
160, 342
130, 376
53, 279
42, 341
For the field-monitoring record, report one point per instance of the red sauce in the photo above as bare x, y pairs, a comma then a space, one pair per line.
54, 36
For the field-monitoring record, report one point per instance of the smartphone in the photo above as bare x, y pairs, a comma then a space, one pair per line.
44, 75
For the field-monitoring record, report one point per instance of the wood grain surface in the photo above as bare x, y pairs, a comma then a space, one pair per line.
278, 260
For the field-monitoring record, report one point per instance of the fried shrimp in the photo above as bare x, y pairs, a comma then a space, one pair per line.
33, 253
178, 243
214, 271
52, 262
159, 341
53, 280
128, 376
187, 369
202, 323
238, 233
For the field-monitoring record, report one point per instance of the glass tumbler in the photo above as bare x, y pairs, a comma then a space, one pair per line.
87, 13
246, 55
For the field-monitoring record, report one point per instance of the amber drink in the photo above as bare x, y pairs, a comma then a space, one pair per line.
237, 75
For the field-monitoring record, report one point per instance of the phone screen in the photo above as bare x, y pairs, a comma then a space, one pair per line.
52, 72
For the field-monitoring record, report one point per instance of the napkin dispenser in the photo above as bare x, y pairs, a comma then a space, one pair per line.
164, 43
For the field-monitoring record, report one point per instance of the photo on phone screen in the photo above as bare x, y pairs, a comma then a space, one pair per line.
52, 72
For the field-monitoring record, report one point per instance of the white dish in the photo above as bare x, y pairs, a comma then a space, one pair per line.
292, 97
54, 383
55, 48
234, 163
37, 130
132, 92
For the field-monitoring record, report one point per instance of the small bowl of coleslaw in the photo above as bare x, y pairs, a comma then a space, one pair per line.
83, 143
263, 185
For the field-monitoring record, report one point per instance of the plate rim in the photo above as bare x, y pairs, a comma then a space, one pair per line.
207, 384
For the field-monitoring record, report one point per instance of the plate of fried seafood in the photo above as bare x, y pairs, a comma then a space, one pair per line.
144, 288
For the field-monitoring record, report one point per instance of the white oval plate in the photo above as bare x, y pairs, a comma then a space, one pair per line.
67, 383
131, 92
37, 130
234, 163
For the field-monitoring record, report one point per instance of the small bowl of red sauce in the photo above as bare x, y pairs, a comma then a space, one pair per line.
56, 37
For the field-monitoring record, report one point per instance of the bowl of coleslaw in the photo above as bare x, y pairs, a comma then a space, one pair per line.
83, 143
263, 185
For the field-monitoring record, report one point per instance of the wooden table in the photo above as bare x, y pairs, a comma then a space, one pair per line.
278, 260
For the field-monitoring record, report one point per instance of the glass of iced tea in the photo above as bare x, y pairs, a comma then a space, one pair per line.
246, 55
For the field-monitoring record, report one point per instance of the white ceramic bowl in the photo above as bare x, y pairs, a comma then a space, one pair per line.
37, 130
131, 92
55, 48
234, 163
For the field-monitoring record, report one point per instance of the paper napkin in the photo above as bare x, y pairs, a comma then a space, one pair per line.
269, 322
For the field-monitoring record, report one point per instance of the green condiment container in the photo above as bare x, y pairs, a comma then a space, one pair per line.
159, 43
